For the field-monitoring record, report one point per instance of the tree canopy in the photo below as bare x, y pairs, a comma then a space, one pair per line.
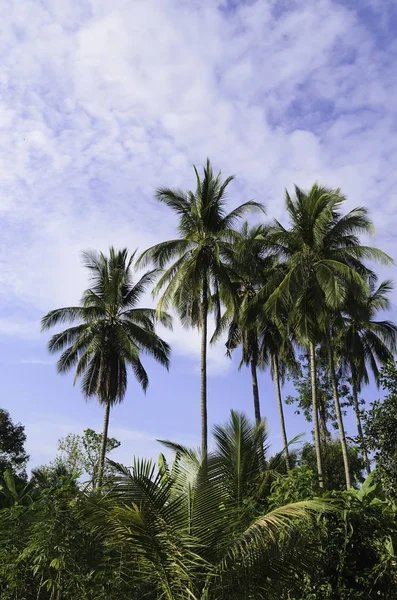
12, 445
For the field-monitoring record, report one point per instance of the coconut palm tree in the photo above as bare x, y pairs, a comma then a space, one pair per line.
191, 283
277, 350
263, 341
323, 254
109, 333
194, 530
248, 262
366, 343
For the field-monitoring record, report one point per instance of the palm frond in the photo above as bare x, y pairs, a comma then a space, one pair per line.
229, 221
70, 314
133, 296
147, 341
162, 253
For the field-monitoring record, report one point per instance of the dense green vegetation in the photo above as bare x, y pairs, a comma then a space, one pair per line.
314, 523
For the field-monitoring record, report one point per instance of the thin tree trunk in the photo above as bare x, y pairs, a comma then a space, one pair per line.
203, 370
104, 443
317, 444
280, 409
255, 392
358, 422
257, 410
324, 433
339, 419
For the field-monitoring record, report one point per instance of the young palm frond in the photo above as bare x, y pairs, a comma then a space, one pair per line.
240, 449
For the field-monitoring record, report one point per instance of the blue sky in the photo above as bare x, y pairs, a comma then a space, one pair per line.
100, 103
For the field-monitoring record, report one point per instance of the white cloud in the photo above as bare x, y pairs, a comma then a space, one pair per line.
186, 342
101, 103
36, 361
20, 327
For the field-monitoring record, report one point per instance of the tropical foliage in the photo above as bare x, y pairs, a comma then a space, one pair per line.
80, 454
381, 431
12, 450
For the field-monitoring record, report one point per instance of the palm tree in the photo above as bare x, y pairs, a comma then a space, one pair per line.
277, 350
109, 333
248, 263
323, 255
365, 342
193, 280
193, 530
263, 341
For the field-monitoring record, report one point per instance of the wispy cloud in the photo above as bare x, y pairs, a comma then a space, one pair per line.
19, 326
101, 104
36, 361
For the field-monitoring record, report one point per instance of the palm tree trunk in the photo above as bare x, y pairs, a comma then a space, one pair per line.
338, 412
257, 410
203, 369
358, 422
317, 444
280, 409
104, 443
255, 392
324, 433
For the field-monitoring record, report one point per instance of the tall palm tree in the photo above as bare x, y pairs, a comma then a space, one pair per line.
323, 255
263, 341
366, 343
248, 263
191, 283
110, 331
277, 350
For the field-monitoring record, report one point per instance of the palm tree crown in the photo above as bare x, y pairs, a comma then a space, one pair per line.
323, 254
364, 340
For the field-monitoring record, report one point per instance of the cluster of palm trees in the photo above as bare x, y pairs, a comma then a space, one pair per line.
273, 289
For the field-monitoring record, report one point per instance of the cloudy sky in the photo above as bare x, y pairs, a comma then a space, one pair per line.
101, 102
